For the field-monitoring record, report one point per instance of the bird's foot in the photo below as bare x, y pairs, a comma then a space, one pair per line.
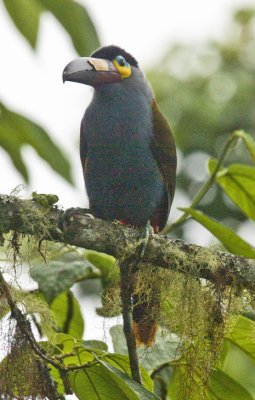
144, 237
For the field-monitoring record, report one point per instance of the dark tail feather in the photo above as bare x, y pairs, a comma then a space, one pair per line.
145, 313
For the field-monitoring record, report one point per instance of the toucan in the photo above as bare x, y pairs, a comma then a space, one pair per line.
127, 152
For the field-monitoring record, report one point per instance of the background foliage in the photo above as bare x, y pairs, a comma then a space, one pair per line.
206, 92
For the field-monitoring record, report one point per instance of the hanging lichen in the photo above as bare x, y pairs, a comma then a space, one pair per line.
200, 313
22, 373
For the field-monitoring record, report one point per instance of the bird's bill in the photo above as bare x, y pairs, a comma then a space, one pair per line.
91, 71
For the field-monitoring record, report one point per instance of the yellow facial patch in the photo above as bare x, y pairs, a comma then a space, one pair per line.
122, 66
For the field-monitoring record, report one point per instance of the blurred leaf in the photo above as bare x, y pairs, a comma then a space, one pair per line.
206, 91
226, 236
17, 131
68, 315
110, 295
55, 374
163, 352
58, 276
103, 262
249, 142
118, 339
161, 379
26, 16
243, 336
244, 16
103, 382
238, 182
72, 16
223, 387
95, 344
121, 362
76, 21
238, 364
74, 350
4, 309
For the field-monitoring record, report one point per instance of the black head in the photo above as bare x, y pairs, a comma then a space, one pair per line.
111, 52
109, 64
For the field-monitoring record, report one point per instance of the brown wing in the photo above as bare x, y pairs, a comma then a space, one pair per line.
83, 147
164, 151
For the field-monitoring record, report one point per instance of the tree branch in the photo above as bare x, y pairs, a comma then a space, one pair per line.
76, 227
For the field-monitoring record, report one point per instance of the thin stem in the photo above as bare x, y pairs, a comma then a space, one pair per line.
126, 285
207, 185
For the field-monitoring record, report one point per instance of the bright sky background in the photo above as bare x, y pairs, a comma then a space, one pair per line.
31, 83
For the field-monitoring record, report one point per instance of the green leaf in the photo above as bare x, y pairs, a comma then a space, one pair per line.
4, 309
238, 364
233, 243
76, 21
95, 344
64, 342
103, 382
243, 336
121, 362
107, 265
87, 350
55, 374
58, 276
163, 352
103, 262
26, 16
71, 15
161, 379
223, 387
84, 353
238, 182
68, 315
118, 339
109, 269
17, 131
249, 142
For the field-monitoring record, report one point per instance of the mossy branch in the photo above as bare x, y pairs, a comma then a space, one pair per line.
76, 227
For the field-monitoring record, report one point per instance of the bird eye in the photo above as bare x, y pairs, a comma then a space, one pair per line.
121, 61
122, 66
